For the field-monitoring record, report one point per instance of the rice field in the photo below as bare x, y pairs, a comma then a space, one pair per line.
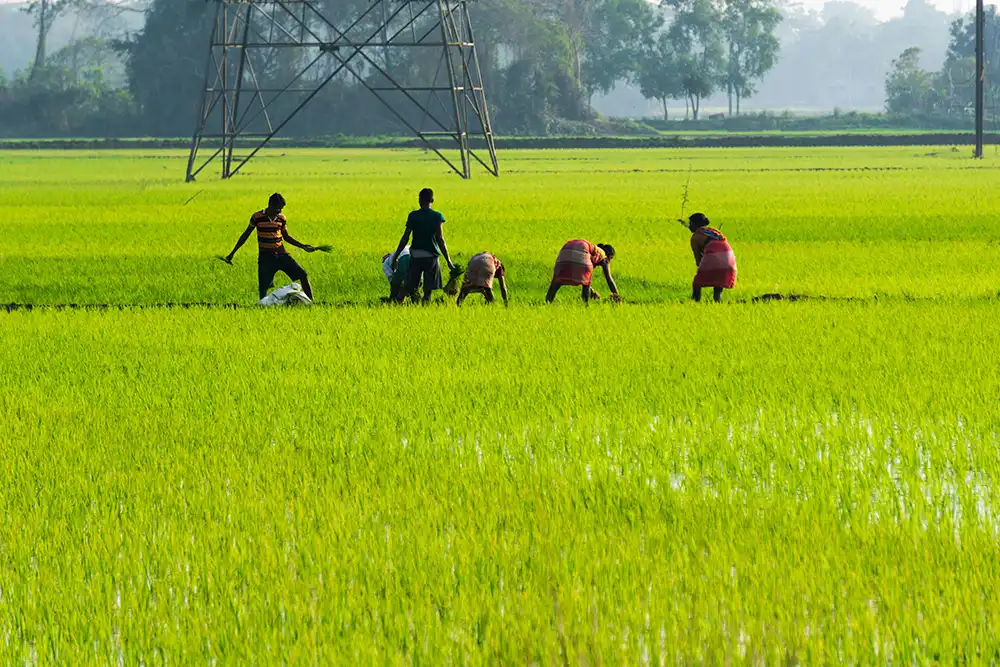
656, 482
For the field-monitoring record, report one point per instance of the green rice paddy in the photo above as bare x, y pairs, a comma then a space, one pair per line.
648, 483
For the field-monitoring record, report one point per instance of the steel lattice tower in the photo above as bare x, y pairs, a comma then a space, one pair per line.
268, 59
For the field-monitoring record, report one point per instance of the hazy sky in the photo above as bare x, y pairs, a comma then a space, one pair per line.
888, 8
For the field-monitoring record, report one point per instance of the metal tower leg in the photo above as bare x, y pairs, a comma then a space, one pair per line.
246, 102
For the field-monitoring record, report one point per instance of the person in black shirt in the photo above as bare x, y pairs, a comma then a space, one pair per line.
428, 244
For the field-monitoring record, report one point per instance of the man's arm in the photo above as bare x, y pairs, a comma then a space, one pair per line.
402, 244
503, 288
291, 241
439, 237
239, 244
609, 279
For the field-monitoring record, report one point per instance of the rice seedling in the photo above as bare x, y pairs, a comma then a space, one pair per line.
809, 482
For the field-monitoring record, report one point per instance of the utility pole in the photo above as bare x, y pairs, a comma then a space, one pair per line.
980, 74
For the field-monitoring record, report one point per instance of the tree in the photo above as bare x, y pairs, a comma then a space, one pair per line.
961, 59
963, 37
604, 38
166, 64
45, 12
659, 72
908, 87
613, 49
957, 85
697, 40
753, 47
527, 65
576, 18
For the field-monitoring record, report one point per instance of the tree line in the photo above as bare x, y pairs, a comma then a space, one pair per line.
542, 60
137, 67
911, 89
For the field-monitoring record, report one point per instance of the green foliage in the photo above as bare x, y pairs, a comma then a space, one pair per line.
542, 200
76, 91
698, 44
613, 48
659, 75
963, 41
657, 482
908, 87
752, 46
57, 101
166, 65
44, 14
538, 86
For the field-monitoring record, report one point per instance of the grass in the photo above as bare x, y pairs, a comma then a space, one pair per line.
844, 131
657, 482
818, 221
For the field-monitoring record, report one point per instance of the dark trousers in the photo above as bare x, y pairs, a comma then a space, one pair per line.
427, 269
269, 265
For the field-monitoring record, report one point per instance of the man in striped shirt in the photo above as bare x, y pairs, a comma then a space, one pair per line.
272, 231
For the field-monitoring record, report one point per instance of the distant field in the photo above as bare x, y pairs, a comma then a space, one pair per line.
654, 135
651, 483
114, 228
875, 132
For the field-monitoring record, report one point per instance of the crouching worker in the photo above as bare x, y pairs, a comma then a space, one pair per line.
575, 267
428, 244
397, 276
479, 275
272, 256
714, 257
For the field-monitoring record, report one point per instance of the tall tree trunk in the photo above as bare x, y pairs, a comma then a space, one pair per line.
729, 77
582, 101
577, 61
738, 99
43, 31
76, 51
695, 106
666, 113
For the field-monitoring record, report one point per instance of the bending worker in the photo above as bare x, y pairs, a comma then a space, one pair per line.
575, 266
428, 244
397, 276
714, 257
272, 230
479, 275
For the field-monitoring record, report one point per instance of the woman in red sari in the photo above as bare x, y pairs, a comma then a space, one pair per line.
575, 266
714, 257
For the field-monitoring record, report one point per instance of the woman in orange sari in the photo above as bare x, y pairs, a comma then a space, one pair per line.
714, 257
575, 266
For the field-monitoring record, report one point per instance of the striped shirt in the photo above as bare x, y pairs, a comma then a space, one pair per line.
269, 232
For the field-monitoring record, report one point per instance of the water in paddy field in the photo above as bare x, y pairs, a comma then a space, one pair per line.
874, 470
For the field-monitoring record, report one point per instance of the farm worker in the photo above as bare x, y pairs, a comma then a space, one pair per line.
714, 257
428, 244
272, 230
479, 275
575, 266
397, 276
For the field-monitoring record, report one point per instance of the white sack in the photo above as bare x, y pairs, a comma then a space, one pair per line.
289, 295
